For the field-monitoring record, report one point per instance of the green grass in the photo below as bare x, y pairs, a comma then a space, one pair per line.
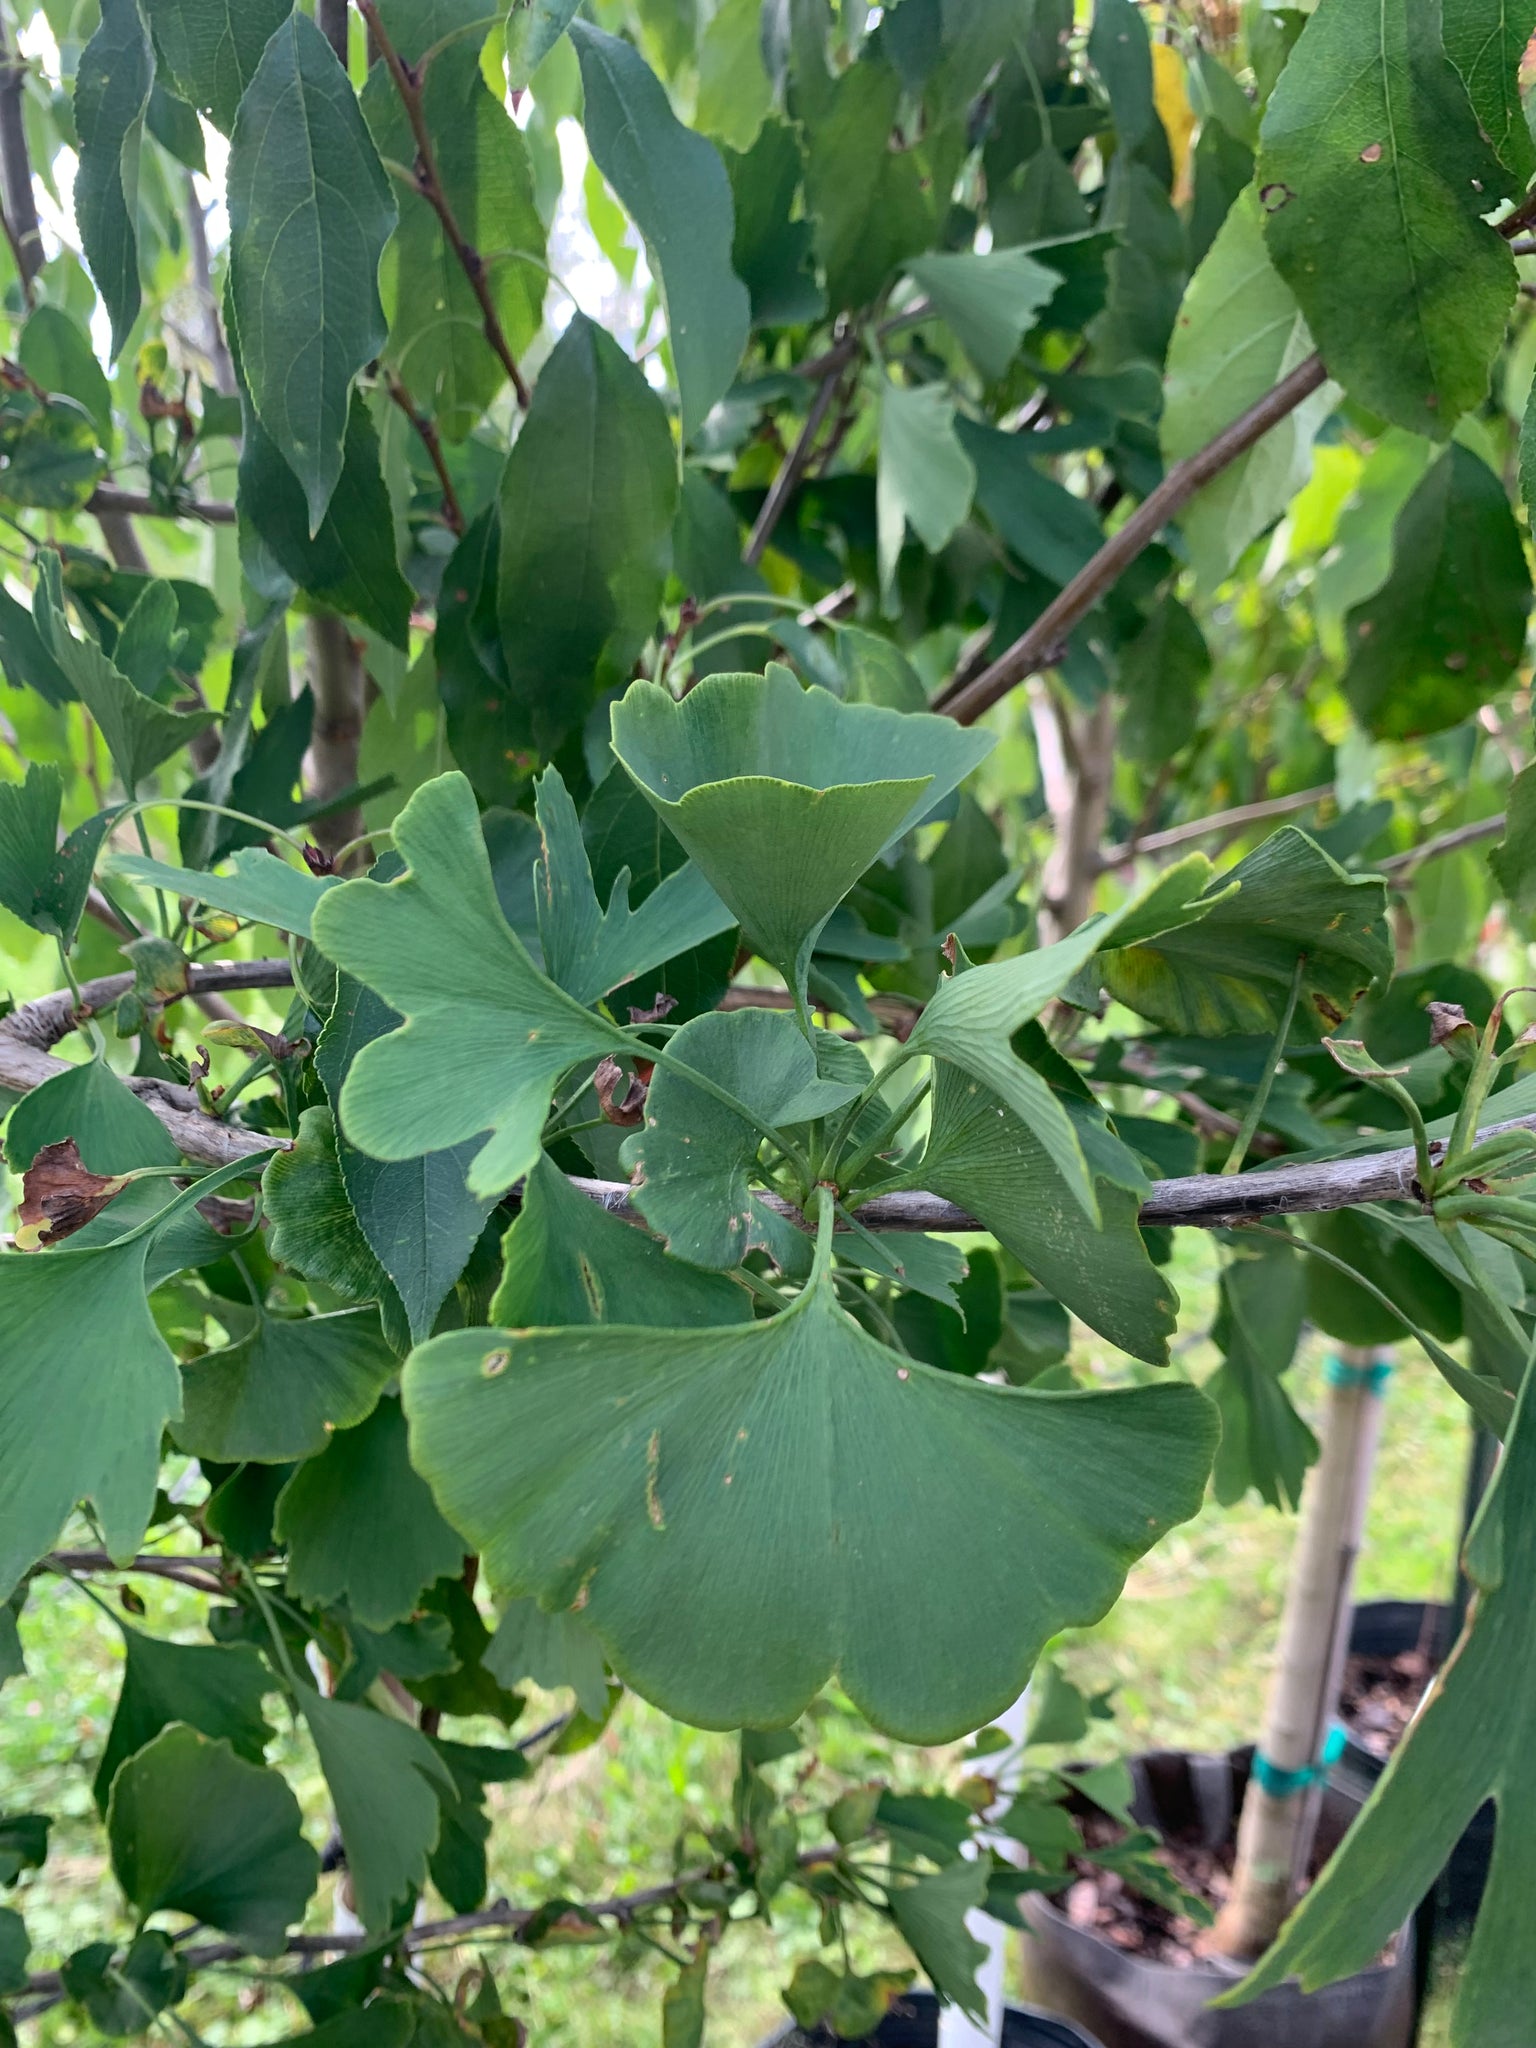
1187, 1649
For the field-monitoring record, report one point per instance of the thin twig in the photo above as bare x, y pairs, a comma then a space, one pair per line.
453, 511
1040, 645
16, 168
791, 470
105, 499
184, 1571
1448, 842
1218, 822
430, 185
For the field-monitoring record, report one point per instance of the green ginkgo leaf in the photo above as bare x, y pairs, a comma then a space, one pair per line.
718, 1501
195, 1829
1231, 969
386, 1781
589, 950
278, 1392
695, 1155
566, 1261
486, 1036
80, 1342
215, 1688
784, 796
112, 86
989, 300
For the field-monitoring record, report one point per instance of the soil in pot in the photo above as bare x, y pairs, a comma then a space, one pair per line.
1141, 1975
913, 2022
1395, 1648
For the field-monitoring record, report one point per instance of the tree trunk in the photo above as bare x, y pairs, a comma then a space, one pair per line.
1275, 1834
16, 165
1076, 766
336, 684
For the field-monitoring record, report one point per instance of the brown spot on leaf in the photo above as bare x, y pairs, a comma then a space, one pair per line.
1371, 154
60, 1195
620, 1096
1273, 197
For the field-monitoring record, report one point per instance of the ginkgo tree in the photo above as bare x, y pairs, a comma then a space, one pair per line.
703, 707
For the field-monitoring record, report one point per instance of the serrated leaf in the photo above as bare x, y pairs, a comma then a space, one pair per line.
1239, 332
554, 1650
925, 478
214, 1688
80, 1340
708, 1496
1486, 41
1373, 176
112, 89
988, 301
140, 734
695, 1155
1232, 969
673, 185
211, 48
417, 1215
41, 882
385, 1780
194, 1829
745, 767
1470, 1739
585, 545
257, 886
930, 1916
565, 1261
279, 1391
310, 209
360, 1526
1444, 632
991, 1161
486, 1035
589, 950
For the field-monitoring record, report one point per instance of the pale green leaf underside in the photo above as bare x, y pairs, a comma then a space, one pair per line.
257, 886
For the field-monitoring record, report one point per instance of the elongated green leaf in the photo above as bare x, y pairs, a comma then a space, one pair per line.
1120, 51
310, 209
719, 1499
735, 96
56, 351
197, 1830
1374, 175
385, 1780
41, 882
1513, 860
486, 1035
1239, 332
350, 561
1264, 1442
993, 1162
278, 1392
418, 1217
80, 1341
566, 1262
989, 301
971, 1020
1232, 969
1039, 519
214, 1688
111, 96
589, 950
1162, 673
258, 886
1471, 1738
868, 203
925, 478
1486, 41
361, 1527
533, 29
139, 733
695, 1154
747, 767
458, 1862
316, 1231
211, 48
931, 1917
1446, 628
437, 335
673, 185
584, 543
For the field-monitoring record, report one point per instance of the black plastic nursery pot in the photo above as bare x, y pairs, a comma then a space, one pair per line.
913, 2022
1130, 2001
1386, 1629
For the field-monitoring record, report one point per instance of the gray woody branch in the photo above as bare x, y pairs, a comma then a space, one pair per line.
1205, 1201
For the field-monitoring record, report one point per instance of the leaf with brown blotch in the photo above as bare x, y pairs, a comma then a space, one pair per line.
60, 1196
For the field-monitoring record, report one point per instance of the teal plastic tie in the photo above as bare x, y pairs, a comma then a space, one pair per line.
1281, 1784
1372, 1378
